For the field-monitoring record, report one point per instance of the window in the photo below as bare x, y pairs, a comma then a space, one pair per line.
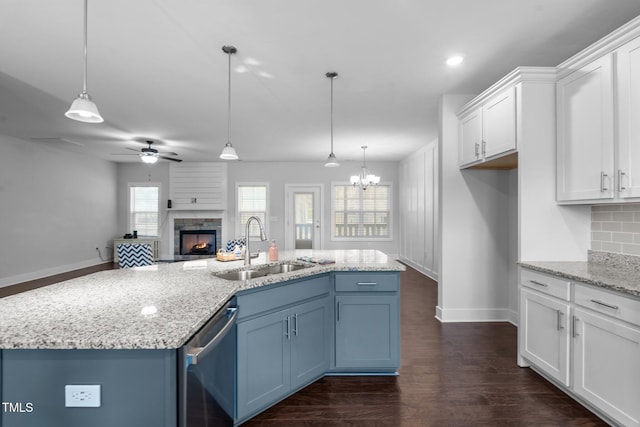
144, 208
361, 214
252, 201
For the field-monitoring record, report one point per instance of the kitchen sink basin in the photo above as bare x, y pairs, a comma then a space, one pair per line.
261, 271
241, 275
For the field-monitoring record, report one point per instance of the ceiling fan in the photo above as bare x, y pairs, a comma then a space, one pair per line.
151, 155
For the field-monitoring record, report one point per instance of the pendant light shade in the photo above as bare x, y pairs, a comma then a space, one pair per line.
228, 152
331, 162
83, 109
365, 178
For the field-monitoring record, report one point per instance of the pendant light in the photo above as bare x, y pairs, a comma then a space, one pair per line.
83, 109
365, 178
228, 152
332, 162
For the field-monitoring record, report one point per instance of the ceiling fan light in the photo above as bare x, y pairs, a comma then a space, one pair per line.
84, 110
332, 162
149, 158
228, 152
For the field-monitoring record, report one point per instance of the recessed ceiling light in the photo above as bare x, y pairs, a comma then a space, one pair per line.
454, 60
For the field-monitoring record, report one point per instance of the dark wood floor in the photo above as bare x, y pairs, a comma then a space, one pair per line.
455, 374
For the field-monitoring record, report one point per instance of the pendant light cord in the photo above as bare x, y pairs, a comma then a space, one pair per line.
229, 101
84, 87
332, 78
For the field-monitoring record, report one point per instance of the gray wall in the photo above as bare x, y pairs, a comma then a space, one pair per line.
56, 208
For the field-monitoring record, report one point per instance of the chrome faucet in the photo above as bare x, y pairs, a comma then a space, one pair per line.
263, 237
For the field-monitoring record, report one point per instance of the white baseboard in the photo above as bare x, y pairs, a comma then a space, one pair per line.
473, 315
430, 274
39, 274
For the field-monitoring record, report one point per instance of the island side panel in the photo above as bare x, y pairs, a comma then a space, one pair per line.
137, 387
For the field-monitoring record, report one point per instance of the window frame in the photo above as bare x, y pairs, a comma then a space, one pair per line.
131, 185
240, 228
335, 238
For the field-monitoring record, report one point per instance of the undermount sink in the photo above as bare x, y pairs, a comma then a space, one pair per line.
261, 271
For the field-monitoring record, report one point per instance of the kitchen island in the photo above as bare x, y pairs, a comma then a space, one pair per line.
128, 325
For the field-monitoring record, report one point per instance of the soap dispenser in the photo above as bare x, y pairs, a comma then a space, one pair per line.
273, 251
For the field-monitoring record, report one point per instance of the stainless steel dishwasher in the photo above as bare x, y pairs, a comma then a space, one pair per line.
207, 374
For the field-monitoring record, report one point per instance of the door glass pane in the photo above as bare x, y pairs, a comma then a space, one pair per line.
303, 213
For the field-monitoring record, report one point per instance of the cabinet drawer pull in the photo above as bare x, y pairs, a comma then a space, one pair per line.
604, 304
539, 283
366, 283
559, 315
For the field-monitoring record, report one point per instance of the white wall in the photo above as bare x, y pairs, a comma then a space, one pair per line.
474, 231
56, 208
548, 231
277, 175
418, 206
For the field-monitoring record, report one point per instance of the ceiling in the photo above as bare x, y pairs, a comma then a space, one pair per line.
156, 69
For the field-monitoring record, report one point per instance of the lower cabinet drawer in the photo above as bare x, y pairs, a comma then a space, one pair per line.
551, 285
609, 303
368, 282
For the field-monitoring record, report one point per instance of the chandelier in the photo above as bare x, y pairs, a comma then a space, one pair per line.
365, 178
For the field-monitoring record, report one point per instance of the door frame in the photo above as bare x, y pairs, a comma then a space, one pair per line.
289, 190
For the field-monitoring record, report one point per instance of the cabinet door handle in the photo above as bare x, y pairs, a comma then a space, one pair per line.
621, 175
559, 315
287, 331
338, 312
477, 149
535, 282
575, 327
603, 177
484, 148
295, 324
604, 304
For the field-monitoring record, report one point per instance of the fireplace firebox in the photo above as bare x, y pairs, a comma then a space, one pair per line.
198, 242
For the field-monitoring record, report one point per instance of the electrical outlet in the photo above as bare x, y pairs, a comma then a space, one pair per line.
82, 396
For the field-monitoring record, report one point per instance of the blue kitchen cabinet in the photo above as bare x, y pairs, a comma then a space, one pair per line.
367, 322
283, 342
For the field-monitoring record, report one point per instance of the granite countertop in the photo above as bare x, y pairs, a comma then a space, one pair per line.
617, 272
155, 307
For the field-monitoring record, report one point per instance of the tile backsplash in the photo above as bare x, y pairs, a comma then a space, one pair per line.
616, 228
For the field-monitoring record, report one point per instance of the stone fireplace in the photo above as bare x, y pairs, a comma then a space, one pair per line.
195, 238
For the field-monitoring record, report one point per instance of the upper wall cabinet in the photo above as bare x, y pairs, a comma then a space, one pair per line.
487, 128
198, 186
598, 145
585, 132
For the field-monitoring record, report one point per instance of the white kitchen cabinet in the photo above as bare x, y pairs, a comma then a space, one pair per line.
628, 125
543, 336
598, 145
586, 133
488, 130
586, 339
606, 370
